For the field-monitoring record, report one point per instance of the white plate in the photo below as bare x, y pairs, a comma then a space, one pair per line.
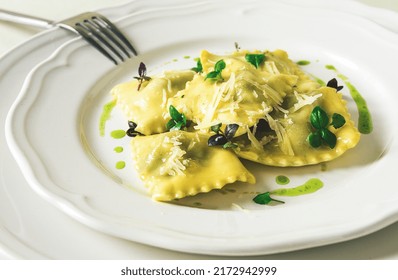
53, 111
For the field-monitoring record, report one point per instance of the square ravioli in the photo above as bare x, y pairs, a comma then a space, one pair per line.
179, 163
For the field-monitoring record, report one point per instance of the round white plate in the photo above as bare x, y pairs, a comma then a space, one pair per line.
53, 132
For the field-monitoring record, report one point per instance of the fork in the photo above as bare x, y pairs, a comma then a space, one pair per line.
95, 28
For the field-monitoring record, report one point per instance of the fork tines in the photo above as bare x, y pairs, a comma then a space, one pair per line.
105, 36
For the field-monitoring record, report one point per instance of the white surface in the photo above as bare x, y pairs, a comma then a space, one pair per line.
324, 252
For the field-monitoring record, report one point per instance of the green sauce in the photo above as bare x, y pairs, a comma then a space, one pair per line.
282, 180
312, 185
365, 123
105, 116
118, 134
303, 62
118, 149
120, 165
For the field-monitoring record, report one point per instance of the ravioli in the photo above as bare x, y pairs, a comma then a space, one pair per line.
147, 107
246, 93
179, 163
270, 100
291, 148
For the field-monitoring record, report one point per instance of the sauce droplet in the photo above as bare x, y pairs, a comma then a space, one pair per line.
118, 149
282, 180
118, 134
120, 165
303, 62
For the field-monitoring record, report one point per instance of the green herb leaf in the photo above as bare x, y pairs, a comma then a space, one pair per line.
216, 128
229, 144
337, 120
328, 137
265, 198
199, 67
216, 74
318, 118
178, 120
255, 59
174, 114
315, 139
219, 66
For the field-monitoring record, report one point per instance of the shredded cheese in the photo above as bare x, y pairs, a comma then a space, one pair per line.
174, 164
304, 99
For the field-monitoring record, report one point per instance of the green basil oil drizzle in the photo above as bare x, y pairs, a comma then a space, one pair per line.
365, 124
311, 186
105, 116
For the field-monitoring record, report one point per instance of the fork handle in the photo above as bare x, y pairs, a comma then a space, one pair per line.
25, 19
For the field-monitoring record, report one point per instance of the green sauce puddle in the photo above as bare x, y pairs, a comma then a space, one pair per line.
312, 185
365, 123
105, 116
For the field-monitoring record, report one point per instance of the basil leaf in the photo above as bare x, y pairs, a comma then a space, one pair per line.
199, 67
337, 120
174, 114
230, 130
255, 59
315, 139
318, 118
214, 75
170, 124
328, 137
219, 66
265, 198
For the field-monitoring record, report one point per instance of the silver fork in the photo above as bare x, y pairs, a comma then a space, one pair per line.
93, 27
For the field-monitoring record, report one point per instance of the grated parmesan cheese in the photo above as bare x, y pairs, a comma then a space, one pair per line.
174, 164
304, 99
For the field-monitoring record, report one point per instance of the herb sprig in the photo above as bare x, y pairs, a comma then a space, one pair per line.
320, 122
178, 120
265, 198
216, 74
255, 59
199, 67
141, 75
131, 132
223, 138
333, 84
